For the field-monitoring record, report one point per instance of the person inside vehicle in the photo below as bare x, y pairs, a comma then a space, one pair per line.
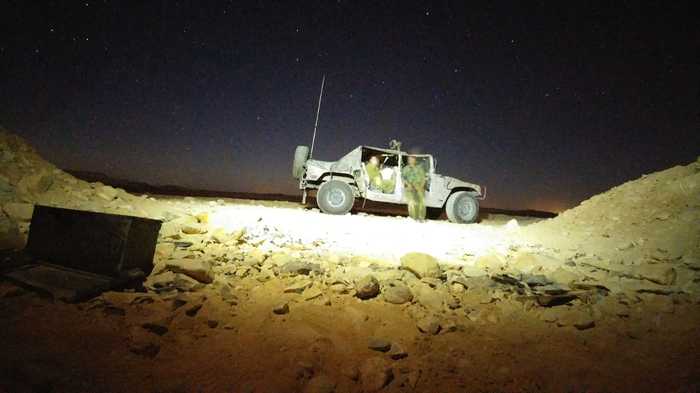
377, 181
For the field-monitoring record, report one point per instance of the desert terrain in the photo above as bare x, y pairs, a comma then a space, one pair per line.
250, 296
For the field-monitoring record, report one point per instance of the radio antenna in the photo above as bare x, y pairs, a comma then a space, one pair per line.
318, 111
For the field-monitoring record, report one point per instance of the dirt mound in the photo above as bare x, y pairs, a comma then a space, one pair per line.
657, 212
27, 179
646, 229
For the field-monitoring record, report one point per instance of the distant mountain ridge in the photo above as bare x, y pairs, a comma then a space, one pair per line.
146, 188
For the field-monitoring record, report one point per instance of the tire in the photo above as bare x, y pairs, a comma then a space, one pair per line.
301, 154
335, 197
462, 208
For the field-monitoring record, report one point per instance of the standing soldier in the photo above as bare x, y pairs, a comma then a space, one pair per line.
414, 180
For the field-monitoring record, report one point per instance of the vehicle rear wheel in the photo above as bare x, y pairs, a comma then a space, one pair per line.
462, 208
301, 155
335, 197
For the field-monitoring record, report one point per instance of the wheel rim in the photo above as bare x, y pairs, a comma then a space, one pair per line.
465, 209
336, 198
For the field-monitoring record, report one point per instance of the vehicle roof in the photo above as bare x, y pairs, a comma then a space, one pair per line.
385, 150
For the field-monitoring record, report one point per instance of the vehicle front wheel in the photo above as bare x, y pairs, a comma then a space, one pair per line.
462, 208
335, 197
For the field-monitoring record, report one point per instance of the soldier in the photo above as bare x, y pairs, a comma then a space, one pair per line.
414, 180
375, 177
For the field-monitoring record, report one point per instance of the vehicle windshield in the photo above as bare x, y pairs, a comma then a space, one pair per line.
421, 160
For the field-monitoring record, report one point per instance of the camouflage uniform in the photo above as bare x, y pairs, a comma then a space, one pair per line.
377, 182
414, 180
375, 178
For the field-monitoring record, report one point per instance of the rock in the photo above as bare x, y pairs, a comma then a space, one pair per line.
257, 255
10, 238
202, 218
339, 288
430, 325
164, 249
320, 384
563, 276
299, 267
534, 263
512, 225
420, 264
197, 269
375, 374
489, 262
7, 192
535, 280
312, 293
298, 286
157, 328
193, 229
161, 281
220, 236
367, 287
457, 288
378, 344
397, 293
580, 319
397, 351
281, 309
33, 185
186, 283
228, 296
143, 343
107, 193
19, 211
663, 274
430, 298
280, 259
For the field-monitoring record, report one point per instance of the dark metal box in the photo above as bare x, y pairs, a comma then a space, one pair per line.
104, 244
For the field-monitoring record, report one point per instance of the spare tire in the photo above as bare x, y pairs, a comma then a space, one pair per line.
462, 207
301, 154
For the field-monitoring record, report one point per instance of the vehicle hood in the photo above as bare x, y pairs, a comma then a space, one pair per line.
451, 182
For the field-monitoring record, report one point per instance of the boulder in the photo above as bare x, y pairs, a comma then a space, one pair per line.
107, 193
429, 325
19, 211
397, 293
299, 267
488, 262
33, 185
420, 264
281, 309
367, 287
397, 351
375, 374
197, 269
430, 298
534, 263
164, 250
194, 229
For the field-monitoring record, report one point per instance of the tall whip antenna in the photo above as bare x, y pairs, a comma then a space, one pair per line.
318, 110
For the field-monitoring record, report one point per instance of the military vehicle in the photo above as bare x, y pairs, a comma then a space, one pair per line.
339, 183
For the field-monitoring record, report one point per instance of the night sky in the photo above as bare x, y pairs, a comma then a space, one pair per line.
545, 103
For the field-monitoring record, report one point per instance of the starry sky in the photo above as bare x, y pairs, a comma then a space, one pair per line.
545, 102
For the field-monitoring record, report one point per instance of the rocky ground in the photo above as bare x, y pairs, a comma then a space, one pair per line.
275, 297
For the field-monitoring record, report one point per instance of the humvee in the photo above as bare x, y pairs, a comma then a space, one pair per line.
339, 182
